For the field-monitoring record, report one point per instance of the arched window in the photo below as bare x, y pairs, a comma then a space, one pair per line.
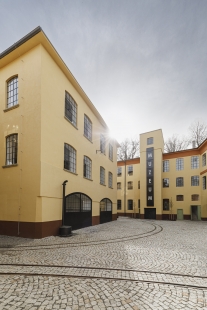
70, 109
11, 149
69, 158
87, 128
102, 176
105, 205
87, 167
12, 92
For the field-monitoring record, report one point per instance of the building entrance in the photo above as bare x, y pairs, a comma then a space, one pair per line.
150, 213
179, 214
195, 213
78, 213
105, 210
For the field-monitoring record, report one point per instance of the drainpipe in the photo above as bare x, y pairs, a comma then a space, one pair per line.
63, 205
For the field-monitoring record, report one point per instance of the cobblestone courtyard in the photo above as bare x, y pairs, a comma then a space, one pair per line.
126, 264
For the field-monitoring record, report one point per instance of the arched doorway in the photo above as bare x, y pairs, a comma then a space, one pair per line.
105, 210
78, 213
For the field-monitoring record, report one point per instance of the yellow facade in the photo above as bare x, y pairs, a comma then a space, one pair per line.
31, 189
178, 193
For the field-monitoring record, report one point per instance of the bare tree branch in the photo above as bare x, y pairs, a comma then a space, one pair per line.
128, 149
174, 144
198, 132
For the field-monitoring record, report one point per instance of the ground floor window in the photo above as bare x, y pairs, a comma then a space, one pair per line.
130, 204
166, 204
119, 204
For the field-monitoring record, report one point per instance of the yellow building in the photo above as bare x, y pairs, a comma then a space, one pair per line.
50, 132
163, 185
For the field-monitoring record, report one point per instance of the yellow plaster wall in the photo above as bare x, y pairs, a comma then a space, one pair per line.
20, 185
55, 131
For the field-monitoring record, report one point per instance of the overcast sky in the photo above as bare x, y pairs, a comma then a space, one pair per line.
143, 63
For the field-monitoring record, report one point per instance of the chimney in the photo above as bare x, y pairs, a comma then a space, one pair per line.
193, 144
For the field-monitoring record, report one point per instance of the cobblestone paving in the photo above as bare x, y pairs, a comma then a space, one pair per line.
127, 264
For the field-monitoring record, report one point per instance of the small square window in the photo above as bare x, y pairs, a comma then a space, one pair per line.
150, 141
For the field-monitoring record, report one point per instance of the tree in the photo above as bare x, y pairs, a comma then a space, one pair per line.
174, 144
198, 132
128, 149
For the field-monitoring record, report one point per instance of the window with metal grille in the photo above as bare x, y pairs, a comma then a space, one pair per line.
70, 109
179, 164
110, 152
87, 167
166, 166
130, 185
118, 204
87, 128
179, 197
105, 205
78, 202
102, 175
165, 182
102, 144
130, 204
179, 182
166, 204
119, 185
204, 182
204, 159
119, 171
130, 170
110, 180
195, 197
150, 141
69, 158
11, 149
12, 92
194, 162
195, 180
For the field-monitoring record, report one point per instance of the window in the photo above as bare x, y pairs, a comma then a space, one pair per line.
130, 204
87, 166
166, 182
11, 149
102, 144
194, 162
119, 171
102, 175
110, 152
119, 204
166, 166
110, 180
179, 182
150, 141
130, 185
130, 170
12, 92
138, 184
69, 158
70, 109
204, 159
204, 182
179, 197
119, 185
166, 204
87, 128
195, 180
194, 197
179, 164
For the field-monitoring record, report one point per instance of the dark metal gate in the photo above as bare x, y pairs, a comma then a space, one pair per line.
78, 213
150, 213
105, 210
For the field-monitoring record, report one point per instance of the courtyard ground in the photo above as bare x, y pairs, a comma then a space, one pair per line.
125, 264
